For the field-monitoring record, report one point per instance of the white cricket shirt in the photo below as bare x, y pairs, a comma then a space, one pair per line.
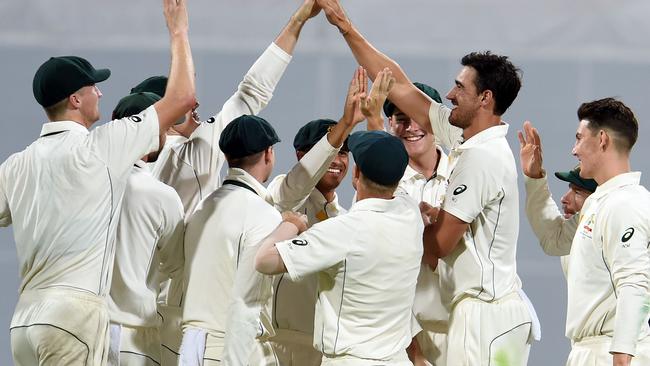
295, 192
483, 192
149, 232
63, 195
367, 262
192, 168
609, 265
224, 295
428, 308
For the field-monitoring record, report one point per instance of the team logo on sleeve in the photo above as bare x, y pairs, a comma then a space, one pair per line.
299, 242
211, 120
135, 119
627, 235
460, 189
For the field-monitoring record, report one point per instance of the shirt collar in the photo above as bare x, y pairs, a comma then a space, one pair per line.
60, 126
243, 176
374, 204
491, 133
441, 169
625, 179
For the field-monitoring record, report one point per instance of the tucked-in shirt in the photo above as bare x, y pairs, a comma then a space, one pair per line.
63, 195
609, 265
149, 247
366, 286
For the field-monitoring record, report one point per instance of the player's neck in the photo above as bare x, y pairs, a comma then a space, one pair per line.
425, 164
480, 124
611, 167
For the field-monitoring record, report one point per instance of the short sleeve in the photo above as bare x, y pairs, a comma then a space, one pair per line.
321, 247
470, 188
122, 142
446, 134
5, 212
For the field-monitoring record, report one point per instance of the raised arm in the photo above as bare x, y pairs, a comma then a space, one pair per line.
404, 94
554, 232
288, 37
180, 95
371, 105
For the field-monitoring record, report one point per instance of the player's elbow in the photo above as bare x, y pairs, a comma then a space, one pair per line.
261, 264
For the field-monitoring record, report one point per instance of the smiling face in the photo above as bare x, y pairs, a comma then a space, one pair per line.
587, 150
417, 141
465, 98
335, 172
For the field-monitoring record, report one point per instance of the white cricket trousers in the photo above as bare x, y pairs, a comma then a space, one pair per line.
400, 359
489, 333
171, 334
433, 346
134, 346
59, 327
594, 351
295, 348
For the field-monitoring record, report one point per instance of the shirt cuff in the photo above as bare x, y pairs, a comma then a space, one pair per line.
279, 52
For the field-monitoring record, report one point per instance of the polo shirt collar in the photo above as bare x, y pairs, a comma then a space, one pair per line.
441, 169
60, 126
241, 175
491, 133
374, 204
621, 180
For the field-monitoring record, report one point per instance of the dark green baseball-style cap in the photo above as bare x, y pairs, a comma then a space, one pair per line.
154, 84
59, 77
389, 107
573, 176
309, 134
247, 135
381, 156
133, 104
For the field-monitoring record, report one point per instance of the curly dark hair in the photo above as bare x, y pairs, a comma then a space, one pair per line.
613, 115
497, 74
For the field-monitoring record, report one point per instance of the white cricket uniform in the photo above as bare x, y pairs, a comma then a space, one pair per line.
63, 194
429, 307
555, 233
367, 263
149, 246
192, 167
224, 294
491, 318
293, 321
609, 273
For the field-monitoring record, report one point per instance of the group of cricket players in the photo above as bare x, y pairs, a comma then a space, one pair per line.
133, 250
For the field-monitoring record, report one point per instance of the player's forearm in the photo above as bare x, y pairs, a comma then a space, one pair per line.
180, 95
268, 259
288, 37
555, 234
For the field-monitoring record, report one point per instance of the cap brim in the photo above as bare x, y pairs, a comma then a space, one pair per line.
101, 75
564, 176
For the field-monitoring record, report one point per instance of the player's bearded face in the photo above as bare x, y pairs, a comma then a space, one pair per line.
465, 99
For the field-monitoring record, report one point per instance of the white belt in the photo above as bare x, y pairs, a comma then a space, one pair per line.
536, 327
114, 345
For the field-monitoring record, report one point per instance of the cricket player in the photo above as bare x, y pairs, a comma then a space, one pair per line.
310, 188
366, 287
227, 321
425, 180
191, 166
149, 247
63, 196
609, 263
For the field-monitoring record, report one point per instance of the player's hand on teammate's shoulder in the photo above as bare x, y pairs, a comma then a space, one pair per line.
297, 219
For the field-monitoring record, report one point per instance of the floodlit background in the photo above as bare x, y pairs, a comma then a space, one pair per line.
569, 52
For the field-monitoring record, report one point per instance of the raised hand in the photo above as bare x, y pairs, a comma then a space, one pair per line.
297, 219
308, 10
336, 15
371, 105
356, 91
530, 152
176, 16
